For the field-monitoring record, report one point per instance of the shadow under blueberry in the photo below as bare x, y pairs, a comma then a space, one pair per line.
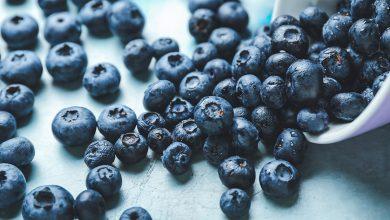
15, 2
69, 86
21, 122
143, 76
113, 201
27, 171
285, 202
184, 178
75, 151
108, 99
136, 168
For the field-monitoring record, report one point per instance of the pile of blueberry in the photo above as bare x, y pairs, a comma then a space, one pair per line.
235, 92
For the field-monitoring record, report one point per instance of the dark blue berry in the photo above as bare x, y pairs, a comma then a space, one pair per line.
178, 110
233, 15
248, 60
218, 70
330, 87
382, 13
237, 172
52, 6
159, 139
173, 67
379, 81
356, 59
291, 146
94, 16
244, 136
315, 49
201, 24
235, 203
264, 43
20, 31
98, 153
177, 158
361, 9
226, 89
335, 30
374, 66
273, 92
158, 95
347, 106
17, 99
90, 204
148, 121
242, 112
277, 64
7, 126
313, 120
188, 132
291, 39
283, 20
364, 36
135, 213
335, 63
203, 53
312, 19
216, 149
12, 185
131, 148
385, 41
266, 121
209, 4
226, 40
105, 179
102, 79
248, 90
163, 46
137, 55
18, 151
62, 27
195, 86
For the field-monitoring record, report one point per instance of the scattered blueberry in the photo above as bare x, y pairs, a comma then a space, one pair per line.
277, 64
226, 89
266, 121
173, 67
330, 87
62, 27
18, 151
12, 185
8, 126
235, 203
218, 70
226, 40
291, 146
335, 30
364, 36
98, 153
248, 60
347, 106
90, 204
17, 99
52, 6
313, 120
178, 110
188, 132
163, 46
135, 213
233, 15
204, 53
177, 158
335, 63
20, 31
248, 90
148, 121
102, 79
159, 139
291, 39
201, 24
131, 148
137, 55
237, 172
273, 92
94, 16
105, 179
312, 19
195, 86
244, 136
158, 95
216, 149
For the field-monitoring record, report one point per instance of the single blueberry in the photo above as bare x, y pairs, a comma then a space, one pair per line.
385, 41
264, 43
356, 59
226, 89
273, 92
52, 6
173, 67
148, 121
364, 36
244, 136
90, 204
20, 31
135, 213
189, 133
8, 126
12, 185
277, 64
374, 66
137, 55
195, 86
248, 90
330, 88
131, 148
178, 110
98, 153
226, 40
158, 95
216, 149
379, 81
209, 4
335, 63
291, 146
248, 60
201, 24
382, 13
164, 45
312, 19
17, 99
203, 53
242, 112
283, 20
62, 27
315, 50
218, 70
102, 79
233, 15
159, 139
335, 30
313, 120
94, 16
105, 179
347, 106
235, 203
361, 9
266, 121
177, 158
291, 39
237, 172
18, 151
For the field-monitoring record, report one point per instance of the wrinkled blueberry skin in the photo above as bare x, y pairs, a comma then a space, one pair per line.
356, 59
288, 116
213, 115
203, 53
237, 172
248, 60
273, 92
335, 63
74, 126
364, 36
279, 179
201, 24
378, 82
8, 126
235, 203
361, 9
94, 16
52, 6
105, 179
209, 4
304, 82
159, 139
178, 110
242, 112
148, 121
264, 43
218, 70
277, 64
102, 79
347, 106
131, 148
12, 185
244, 136
20, 31
385, 41
312, 19
66, 62
18, 151
90, 204
226, 89
188, 132
163, 46
115, 120
173, 67
226, 40
233, 15
335, 30
177, 158
291, 39
48, 202
283, 20
266, 121
22, 67
313, 120
158, 95
216, 149
137, 56
248, 90
125, 20
374, 66
17, 99
62, 27
314, 50
330, 87
140, 213
195, 86
381, 13
98, 153
290, 145
368, 95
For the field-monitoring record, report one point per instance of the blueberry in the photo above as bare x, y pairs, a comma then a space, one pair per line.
264, 43
188, 132
379, 81
382, 13
159, 139
226, 89
248, 60
315, 50
203, 53
385, 41
361, 8
304, 82
335, 63
17, 99
235, 203
233, 15
94, 16
173, 67
344, 6
368, 95
313, 120
330, 87
364, 36
244, 136
126, 20
290, 145
195, 86
209, 4
277, 64
291, 39
80, 3
18, 151
20, 31
7, 126
273, 92
283, 20
178, 110
335, 30
12, 185
48, 202
135, 213
52, 6
201, 24
356, 59
248, 90
98, 153
347, 106
66, 62
218, 70
137, 55
312, 19
105, 179
226, 40
62, 27
164, 45
177, 158
266, 121
288, 116
131, 148
279, 179
102, 79
375, 66
242, 112
237, 172
216, 149
90, 204
22, 67
148, 121
158, 95
213, 115
74, 126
